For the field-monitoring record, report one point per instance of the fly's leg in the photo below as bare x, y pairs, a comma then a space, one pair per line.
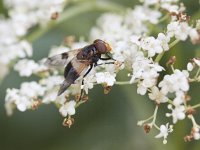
108, 57
105, 58
82, 90
104, 63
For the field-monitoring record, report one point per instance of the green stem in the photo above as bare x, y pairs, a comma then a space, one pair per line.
163, 18
156, 127
197, 74
122, 82
172, 67
193, 121
140, 123
170, 102
159, 57
195, 106
79, 103
75, 11
154, 116
173, 43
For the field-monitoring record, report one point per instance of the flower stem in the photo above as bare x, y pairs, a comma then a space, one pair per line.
122, 82
197, 74
163, 18
156, 127
79, 103
193, 121
141, 122
159, 57
172, 67
170, 101
154, 116
173, 43
196, 106
75, 11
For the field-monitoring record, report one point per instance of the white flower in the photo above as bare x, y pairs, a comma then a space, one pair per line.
29, 13
150, 2
106, 78
157, 95
151, 45
179, 99
196, 133
170, 7
141, 89
88, 82
190, 66
114, 28
13, 98
7, 33
51, 81
68, 108
164, 131
15, 50
180, 80
50, 96
146, 72
144, 13
197, 61
178, 113
145, 68
194, 35
23, 103
164, 40
25, 67
180, 30
23, 15
111, 32
31, 89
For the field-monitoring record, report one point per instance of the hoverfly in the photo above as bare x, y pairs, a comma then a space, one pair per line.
79, 62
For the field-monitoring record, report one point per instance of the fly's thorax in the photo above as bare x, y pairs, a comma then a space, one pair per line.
87, 52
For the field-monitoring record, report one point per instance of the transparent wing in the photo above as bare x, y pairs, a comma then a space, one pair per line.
61, 59
73, 71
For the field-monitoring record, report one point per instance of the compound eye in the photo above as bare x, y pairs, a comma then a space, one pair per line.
97, 40
101, 47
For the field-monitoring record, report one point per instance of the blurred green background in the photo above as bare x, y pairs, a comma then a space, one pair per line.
105, 122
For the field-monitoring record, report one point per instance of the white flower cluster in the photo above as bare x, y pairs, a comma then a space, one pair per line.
133, 48
27, 67
24, 97
178, 84
29, 13
30, 93
145, 72
23, 15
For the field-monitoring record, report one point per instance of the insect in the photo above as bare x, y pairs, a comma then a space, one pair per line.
80, 62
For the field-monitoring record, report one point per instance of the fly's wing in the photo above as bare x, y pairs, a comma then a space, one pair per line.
73, 71
61, 59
